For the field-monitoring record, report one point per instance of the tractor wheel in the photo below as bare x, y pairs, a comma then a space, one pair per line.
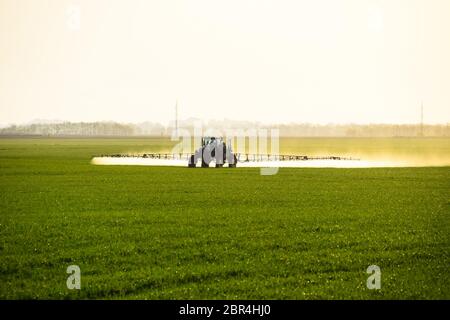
233, 165
204, 164
191, 163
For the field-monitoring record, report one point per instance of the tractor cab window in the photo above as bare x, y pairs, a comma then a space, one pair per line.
206, 141
210, 140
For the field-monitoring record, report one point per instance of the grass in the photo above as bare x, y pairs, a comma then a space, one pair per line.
172, 233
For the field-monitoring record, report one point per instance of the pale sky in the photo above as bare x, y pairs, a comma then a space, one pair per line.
320, 61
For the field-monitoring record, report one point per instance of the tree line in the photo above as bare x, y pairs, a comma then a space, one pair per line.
286, 130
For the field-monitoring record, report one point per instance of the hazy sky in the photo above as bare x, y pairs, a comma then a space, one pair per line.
268, 60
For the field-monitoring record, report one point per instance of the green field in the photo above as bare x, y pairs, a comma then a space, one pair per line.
171, 233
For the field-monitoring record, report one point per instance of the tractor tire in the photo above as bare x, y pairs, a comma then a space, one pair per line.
233, 165
191, 163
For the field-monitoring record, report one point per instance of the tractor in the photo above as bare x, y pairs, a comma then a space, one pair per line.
213, 149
